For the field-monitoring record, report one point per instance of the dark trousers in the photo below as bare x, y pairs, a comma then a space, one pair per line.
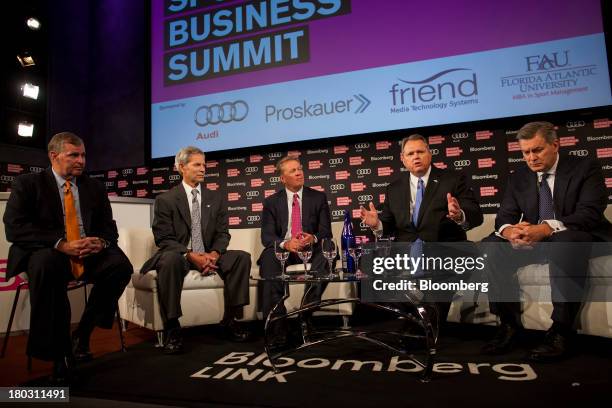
172, 267
272, 292
568, 266
48, 274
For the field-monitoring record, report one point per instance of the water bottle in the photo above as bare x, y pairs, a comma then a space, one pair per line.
347, 241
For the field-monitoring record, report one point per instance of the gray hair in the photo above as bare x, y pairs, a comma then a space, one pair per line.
281, 162
531, 129
183, 155
415, 136
56, 144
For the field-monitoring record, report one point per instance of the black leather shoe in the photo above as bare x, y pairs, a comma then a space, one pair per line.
504, 340
233, 331
80, 349
174, 342
62, 372
555, 347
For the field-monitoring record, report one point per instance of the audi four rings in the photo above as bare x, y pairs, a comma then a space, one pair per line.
221, 113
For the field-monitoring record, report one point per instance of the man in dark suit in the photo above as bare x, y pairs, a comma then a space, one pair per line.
552, 201
61, 225
292, 217
190, 226
425, 204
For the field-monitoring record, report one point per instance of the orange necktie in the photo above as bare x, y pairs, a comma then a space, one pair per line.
72, 229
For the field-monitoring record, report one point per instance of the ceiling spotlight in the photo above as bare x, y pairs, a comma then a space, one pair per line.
30, 90
33, 23
25, 59
25, 129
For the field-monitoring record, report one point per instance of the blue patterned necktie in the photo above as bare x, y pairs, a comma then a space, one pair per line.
546, 207
197, 245
417, 203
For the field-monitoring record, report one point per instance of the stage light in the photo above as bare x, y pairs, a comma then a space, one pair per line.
25, 129
25, 59
30, 90
33, 23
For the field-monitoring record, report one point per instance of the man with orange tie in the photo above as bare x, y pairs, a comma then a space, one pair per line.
61, 227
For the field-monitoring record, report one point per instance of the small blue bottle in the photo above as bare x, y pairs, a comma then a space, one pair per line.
347, 241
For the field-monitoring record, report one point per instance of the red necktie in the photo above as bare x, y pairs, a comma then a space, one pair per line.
296, 217
72, 229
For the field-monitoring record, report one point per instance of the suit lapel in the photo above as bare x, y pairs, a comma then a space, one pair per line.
283, 212
53, 192
305, 209
562, 179
406, 199
84, 205
182, 204
204, 210
430, 191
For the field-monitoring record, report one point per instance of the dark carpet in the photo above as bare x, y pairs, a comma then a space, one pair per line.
350, 372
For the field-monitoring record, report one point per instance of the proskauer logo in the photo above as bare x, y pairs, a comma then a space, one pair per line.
356, 104
445, 89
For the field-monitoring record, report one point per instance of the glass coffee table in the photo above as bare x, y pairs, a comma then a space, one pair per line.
421, 317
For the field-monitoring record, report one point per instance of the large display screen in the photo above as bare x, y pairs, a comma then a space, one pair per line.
234, 74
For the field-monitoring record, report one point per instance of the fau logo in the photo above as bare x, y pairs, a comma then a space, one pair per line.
381, 197
453, 151
604, 153
257, 207
268, 193
483, 135
484, 163
568, 141
609, 182
142, 193
233, 196
235, 221
514, 147
487, 191
257, 182
318, 188
436, 139
212, 164
269, 168
14, 168
440, 165
212, 186
356, 160
356, 213
383, 145
255, 158
342, 175
340, 149
122, 184
112, 174
357, 187
141, 171
158, 180
384, 171
342, 201
601, 123
233, 172
315, 164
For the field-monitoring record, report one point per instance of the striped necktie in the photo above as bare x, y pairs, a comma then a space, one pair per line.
72, 229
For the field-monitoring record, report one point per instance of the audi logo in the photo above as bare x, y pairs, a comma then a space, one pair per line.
274, 155
34, 169
251, 169
125, 172
336, 187
7, 178
462, 163
575, 124
362, 145
365, 197
127, 193
363, 172
434, 152
253, 193
337, 213
363, 225
174, 177
339, 160
109, 183
221, 113
252, 218
579, 153
274, 179
459, 136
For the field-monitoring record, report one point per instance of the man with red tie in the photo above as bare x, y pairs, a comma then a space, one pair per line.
292, 217
61, 227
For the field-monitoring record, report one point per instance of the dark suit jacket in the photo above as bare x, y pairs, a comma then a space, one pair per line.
316, 218
579, 196
34, 218
172, 223
432, 225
